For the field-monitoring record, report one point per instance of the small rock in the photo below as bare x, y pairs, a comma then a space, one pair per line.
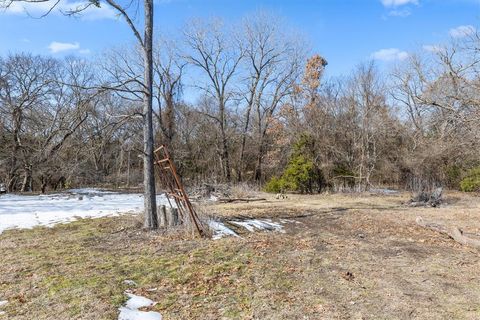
2, 303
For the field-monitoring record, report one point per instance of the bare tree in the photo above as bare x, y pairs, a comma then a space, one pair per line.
168, 70
217, 56
26, 82
146, 43
44, 113
273, 61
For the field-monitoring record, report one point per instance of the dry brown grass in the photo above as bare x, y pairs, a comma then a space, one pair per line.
342, 257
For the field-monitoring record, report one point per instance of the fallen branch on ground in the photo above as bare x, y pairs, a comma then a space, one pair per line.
453, 232
240, 199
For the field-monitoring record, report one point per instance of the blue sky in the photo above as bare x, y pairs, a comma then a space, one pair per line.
346, 32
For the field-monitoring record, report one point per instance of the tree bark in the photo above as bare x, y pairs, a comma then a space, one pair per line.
163, 216
151, 221
12, 175
225, 152
27, 179
258, 167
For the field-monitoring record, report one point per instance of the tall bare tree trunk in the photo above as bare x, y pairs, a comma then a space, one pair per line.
128, 169
225, 153
12, 175
244, 141
27, 179
148, 165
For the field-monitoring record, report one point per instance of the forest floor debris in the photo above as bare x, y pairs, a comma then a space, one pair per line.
432, 198
224, 193
341, 257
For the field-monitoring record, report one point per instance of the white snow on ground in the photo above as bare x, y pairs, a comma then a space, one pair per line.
384, 191
220, 230
3, 303
22, 211
257, 224
130, 310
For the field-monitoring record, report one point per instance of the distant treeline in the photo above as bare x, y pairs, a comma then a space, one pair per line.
264, 113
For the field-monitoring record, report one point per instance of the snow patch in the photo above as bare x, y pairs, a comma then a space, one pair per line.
255, 224
3, 303
220, 230
130, 310
21, 211
213, 198
384, 191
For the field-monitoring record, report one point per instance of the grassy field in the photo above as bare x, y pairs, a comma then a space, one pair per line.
341, 257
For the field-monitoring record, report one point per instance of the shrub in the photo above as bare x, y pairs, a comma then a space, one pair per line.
274, 185
453, 176
471, 182
301, 173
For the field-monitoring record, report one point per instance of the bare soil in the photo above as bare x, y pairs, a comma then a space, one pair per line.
341, 257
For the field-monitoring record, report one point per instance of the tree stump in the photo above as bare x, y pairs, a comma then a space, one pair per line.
167, 217
162, 216
172, 217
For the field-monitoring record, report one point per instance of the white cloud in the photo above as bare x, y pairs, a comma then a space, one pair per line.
84, 51
432, 48
462, 31
56, 47
391, 54
40, 8
397, 3
400, 13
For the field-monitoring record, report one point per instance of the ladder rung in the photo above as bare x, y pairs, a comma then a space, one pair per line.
162, 161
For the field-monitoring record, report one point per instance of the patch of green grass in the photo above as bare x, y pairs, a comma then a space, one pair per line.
78, 269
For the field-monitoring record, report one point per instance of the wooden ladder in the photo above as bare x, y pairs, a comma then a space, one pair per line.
171, 182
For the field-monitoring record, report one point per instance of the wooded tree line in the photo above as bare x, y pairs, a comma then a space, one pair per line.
241, 103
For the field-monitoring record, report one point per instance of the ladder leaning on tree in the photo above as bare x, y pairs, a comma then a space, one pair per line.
171, 182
